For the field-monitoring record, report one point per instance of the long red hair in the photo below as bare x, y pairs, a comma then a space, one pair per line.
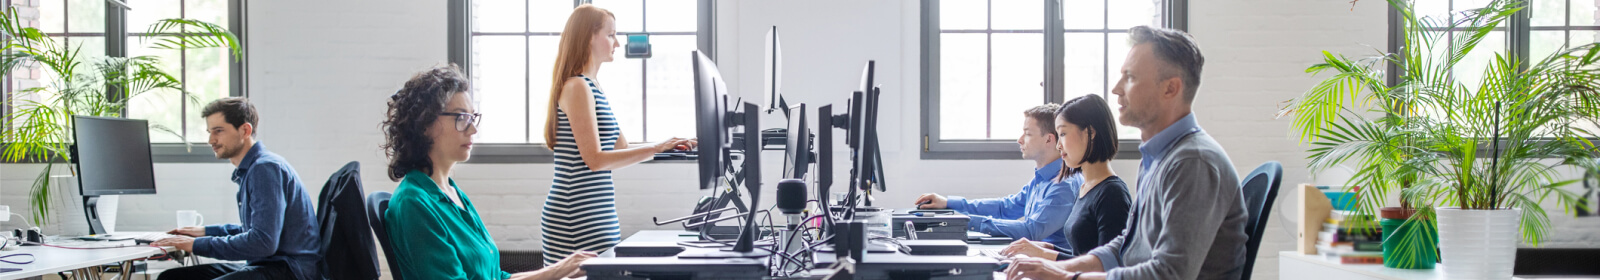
572, 56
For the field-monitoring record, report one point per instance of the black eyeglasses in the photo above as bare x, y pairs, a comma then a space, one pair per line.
465, 119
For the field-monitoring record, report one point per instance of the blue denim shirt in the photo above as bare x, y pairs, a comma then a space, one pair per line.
276, 215
1038, 212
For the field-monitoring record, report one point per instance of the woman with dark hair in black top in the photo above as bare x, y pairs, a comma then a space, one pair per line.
1088, 142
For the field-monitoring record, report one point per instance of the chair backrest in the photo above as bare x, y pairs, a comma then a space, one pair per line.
345, 242
377, 202
1259, 190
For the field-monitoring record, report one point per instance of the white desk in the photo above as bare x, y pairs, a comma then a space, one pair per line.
680, 235
48, 260
1294, 265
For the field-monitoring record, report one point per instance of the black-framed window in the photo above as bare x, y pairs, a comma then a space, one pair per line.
508, 49
206, 74
108, 28
986, 61
1542, 28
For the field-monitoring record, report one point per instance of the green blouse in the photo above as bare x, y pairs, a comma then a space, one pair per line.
434, 239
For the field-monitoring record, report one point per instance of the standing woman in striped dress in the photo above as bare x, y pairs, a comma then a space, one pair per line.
580, 213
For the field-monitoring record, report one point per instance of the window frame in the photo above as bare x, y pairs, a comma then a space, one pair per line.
116, 37
1518, 30
1174, 15
460, 53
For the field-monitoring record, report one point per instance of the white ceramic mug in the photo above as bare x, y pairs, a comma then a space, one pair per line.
190, 218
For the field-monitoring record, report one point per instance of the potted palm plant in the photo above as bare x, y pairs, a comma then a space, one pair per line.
1478, 156
38, 126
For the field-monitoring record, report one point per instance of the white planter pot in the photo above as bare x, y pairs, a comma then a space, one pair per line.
1478, 244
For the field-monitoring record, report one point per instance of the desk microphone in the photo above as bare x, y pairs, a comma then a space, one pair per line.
792, 200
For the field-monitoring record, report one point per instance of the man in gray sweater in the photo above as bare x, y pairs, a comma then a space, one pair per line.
1188, 217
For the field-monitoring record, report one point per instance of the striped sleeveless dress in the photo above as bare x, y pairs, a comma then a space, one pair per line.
580, 213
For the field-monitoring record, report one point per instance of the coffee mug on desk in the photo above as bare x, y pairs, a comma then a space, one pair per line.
190, 218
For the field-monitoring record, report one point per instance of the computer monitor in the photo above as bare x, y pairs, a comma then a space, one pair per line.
798, 151
772, 80
711, 129
713, 121
874, 158
113, 158
825, 152
854, 136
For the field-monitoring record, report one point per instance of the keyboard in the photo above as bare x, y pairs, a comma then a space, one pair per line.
151, 237
996, 254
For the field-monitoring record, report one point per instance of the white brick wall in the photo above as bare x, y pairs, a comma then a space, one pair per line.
320, 71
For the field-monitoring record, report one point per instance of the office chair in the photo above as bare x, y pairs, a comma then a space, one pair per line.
376, 204
1259, 189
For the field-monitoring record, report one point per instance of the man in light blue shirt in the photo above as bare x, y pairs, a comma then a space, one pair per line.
1039, 211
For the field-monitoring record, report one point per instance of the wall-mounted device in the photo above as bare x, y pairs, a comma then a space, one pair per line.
638, 46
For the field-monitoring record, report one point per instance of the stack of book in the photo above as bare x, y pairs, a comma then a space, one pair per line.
1351, 238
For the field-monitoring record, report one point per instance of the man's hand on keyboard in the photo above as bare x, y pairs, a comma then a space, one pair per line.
190, 231
184, 243
1024, 247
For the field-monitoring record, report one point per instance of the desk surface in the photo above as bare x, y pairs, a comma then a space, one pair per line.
679, 235
49, 260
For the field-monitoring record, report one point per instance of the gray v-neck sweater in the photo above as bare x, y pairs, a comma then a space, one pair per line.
1189, 221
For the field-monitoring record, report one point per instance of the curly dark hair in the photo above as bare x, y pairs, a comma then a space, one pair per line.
412, 110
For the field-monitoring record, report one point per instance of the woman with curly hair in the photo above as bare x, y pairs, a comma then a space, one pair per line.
436, 232
580, 214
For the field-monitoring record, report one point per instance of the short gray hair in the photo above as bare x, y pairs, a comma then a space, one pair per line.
1177, 49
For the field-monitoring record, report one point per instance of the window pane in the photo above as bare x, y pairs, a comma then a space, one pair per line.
1118, 49
1585, 13
962, 86
52, 16
1084, 70
1019, 76
1470, 70
541, 60
498, 16
500, 88
1018, 14
1548, 12
620, 81
1543, 43
671, 16
164, 108
86, 16
548, 15
90, 50
670, 89
1577, 38
211, 11
148, 12
630, 14
963, 14
1084, 14
1130, 13
206, 78
1436, 9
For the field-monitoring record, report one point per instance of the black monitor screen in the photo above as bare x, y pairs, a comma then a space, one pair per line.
113, 156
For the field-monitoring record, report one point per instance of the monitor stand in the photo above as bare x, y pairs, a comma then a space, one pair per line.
91, 211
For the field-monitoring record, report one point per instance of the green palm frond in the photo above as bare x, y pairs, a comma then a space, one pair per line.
194, 34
